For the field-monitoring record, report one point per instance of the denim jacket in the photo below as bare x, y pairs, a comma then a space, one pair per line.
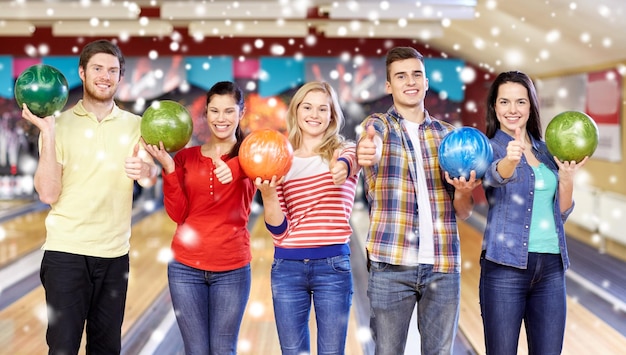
510, 206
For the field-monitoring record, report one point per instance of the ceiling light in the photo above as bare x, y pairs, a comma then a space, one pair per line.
389, 29
40, 10
233, 10
112, 28
248, 29
16, 28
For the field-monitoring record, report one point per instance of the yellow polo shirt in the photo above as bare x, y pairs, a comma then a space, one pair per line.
93, 214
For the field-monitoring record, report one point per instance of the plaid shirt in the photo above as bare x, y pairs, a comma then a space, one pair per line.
391, 187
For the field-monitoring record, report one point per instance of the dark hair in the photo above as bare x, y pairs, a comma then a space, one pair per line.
400, 53
533, 126
101, 46
229, 88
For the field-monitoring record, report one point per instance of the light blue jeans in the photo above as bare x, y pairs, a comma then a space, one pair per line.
209, 307
394, 291
328, 282
536, 294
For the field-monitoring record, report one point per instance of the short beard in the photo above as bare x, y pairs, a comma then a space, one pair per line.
95, 96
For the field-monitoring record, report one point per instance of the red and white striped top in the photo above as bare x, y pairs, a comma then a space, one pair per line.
317, 210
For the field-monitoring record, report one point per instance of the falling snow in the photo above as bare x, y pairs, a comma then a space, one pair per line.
504, 43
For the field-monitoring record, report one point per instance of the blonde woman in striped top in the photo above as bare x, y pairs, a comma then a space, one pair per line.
308, 212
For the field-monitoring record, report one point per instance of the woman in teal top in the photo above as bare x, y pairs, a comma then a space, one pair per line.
524, 255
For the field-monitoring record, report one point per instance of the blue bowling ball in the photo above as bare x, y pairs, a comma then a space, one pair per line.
465, 149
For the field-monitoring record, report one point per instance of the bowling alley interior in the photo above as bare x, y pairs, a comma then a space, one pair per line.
176, 50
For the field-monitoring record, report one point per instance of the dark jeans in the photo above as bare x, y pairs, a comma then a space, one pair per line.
83, 288
536, 295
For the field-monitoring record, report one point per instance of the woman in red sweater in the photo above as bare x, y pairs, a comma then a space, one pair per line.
308, 214
207, 194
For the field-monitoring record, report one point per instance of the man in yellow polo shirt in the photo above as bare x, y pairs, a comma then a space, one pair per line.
89, 157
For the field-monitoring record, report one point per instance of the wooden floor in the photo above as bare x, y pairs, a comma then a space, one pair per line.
258, 331
21, 235
584, 334
23, 323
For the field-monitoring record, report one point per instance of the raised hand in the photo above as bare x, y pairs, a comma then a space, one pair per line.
366, 150
222, 170
161, 155
461, 184
133, 165
268, 187
567, 169
45, 124
515, 148
338, 169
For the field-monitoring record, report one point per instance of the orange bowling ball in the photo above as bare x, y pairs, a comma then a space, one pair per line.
265, 153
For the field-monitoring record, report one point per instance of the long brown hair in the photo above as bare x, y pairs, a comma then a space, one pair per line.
229, 88
533, 126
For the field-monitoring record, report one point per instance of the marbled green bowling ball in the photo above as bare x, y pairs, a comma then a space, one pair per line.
572, 135
169, 122
43, 88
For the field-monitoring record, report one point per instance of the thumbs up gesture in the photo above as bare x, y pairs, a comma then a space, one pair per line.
338, 169
515, 148
222, 171
133, 165
514, 152
368, 149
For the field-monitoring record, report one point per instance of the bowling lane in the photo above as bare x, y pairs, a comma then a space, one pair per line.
258, 330
23, 323
585, 332
10, 204
21, 235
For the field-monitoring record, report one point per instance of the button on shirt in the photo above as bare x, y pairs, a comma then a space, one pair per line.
510, 206
391, 187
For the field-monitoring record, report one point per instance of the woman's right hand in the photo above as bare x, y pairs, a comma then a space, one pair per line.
515, 148
161, 155
268, 187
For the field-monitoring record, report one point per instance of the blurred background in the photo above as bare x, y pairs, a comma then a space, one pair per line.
176, 50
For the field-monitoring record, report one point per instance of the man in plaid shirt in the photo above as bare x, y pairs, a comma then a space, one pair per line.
413, 244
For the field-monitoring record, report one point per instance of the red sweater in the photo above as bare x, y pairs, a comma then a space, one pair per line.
212, 217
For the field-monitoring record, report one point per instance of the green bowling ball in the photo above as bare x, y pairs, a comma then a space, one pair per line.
43, 88
168, 122
572, 135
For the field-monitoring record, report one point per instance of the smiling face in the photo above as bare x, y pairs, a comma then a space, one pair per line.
407, 83
223, 116
314, 114
512, 107
101, 77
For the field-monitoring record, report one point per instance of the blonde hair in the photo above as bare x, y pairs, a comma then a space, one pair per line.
332, 139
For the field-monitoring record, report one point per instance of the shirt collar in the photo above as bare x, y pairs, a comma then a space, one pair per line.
394, 113
79, 110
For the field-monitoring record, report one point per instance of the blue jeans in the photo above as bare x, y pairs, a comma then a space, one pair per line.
83, 288
394, 290
329, 283
209, 307
536, 295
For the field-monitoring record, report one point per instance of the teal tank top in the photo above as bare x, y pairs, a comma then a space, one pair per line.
543, 236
